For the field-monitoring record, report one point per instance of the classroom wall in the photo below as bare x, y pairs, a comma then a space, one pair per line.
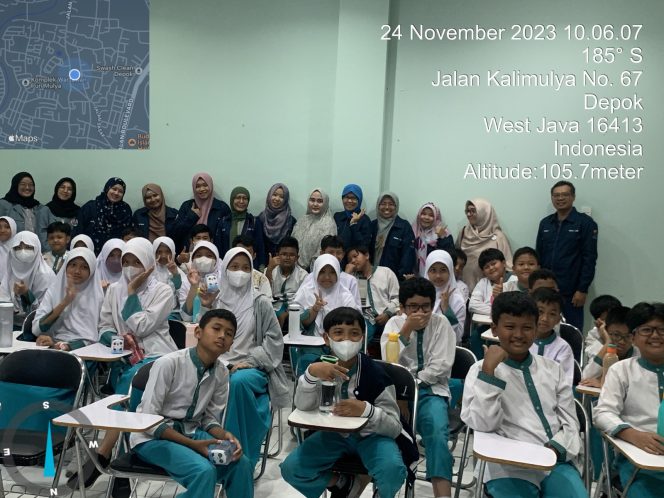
305, 92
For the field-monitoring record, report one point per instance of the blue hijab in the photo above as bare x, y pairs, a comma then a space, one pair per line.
356, 190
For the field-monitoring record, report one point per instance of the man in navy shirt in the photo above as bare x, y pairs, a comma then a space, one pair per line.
567, 245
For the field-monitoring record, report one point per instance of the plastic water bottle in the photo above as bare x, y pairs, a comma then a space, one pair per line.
660, 419
329, 389
392, 348
221, 453
610, 359
294, 313
6, 324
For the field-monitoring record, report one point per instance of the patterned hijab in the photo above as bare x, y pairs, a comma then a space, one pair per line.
427, 236
277, 222
110, 215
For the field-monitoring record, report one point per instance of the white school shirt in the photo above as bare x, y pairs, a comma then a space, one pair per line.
429, 354
592, 343
261, 284
531, 402
345, 279
480, 299
180, 384
54, 262
287, 286
630, 397
557, 349
593, 369
384, 291
463, 290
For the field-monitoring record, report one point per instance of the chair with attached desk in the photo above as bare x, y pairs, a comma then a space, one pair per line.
178, 332
26, 328
573, 337
28, 379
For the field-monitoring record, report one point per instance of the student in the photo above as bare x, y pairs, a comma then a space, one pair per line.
631, 396
381, 290
240, 222
254, 358
547, 342
82, 240
526, 397
277, 220
430, 234
193, 293
367, 391
525, 262
392, 238
109, 262
427, 349
58, 235
155, 218
353, 225
27, 275
107, 216
62, 204
316, 224
68, 315
460, 260
599, 308
493, 265
199, 233
258, 279
166, 270
614, 331
439, 270
188, 388
204, 209
7, 231
130, 233
542, 278
322, 293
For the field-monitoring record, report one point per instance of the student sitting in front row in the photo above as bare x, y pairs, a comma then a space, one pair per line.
188, 388
260, 282
630, 399
331, 244
367, 391
548, 343
427, 348
58, 235
599, 309
525, 261
524, 397
198, 234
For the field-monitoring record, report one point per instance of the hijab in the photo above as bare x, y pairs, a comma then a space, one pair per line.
277, 222
310, 229
64, 209
81, 317
238, 300
13, 197
203, 204
103, 272
110, 215
356, 190
161, 272
440, 256
36, 274
5, 247
336, 296
427, 236
85, 239
384, 225
184, 288
487, 224
238, 217
157, 217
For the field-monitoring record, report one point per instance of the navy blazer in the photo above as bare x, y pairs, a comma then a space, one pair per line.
356, 235
399, 251
253, 227
141, 220
187, 219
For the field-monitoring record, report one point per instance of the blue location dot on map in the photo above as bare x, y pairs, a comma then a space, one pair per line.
74, 74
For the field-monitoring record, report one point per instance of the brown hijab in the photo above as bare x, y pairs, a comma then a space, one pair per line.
157, 217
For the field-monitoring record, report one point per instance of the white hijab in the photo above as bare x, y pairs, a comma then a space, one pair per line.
238, 300
5, 247
184, 288
82, 238
440, 256
336, 296
108, 247
36, 274
80, 319
161, 272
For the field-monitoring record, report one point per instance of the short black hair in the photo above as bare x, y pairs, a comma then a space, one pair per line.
244, 240
343, 315
541, 274
417, 286
360, 249
617, 315
563, 183
289, 242
58, 226
199, 228
218, 313
513, 303
602, 304
644, 312
547, 296
130, 231
458, 254
525, 250
488, 255
331, 241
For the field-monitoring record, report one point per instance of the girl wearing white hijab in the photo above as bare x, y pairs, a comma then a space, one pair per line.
439, 270
255, 356
27, 277
203, 261
7, 231
109, 262
82, 240
166, 269
68, 315
312, 227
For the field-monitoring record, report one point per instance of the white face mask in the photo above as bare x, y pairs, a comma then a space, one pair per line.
238, 278
204, 264
345, 350
25, 255
131, 272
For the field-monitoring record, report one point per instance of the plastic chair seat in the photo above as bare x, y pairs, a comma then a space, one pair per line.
28, 448
130, 463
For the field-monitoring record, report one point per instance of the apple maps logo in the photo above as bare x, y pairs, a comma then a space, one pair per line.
26, 139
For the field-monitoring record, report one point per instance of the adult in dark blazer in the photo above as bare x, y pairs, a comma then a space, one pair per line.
392, 238
155, 219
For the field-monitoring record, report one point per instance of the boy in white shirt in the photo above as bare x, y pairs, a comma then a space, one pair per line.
524, 262
599, 308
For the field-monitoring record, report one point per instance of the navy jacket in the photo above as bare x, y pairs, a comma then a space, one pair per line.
356, 235
187, 219
142, 222
399, 250
253, 227
445, 243
569, 249
87, 219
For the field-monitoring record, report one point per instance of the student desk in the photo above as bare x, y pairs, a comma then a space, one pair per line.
593, 392
481, 319
487, 336
20, 345
325, 422
490, 447
99, 352
304, 340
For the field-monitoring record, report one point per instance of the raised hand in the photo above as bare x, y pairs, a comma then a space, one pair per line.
139, 280
20, 288
70, 293
207, 298
493, 357
320, 302
183, 257
194, 278
171, 266
497, 288
328, 371
196, 209
444, 300
355, 217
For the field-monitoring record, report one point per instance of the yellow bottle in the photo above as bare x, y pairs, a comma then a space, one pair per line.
392, 348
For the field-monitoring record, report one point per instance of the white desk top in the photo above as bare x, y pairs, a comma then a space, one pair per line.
488, 336
482, 319
325, 422
20, 345
99, 416
590, 391
304, 340
498, 449
637, 456
99, 352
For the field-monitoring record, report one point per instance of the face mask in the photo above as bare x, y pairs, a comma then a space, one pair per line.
204, 264
345, 350
114, 265
238, 278
131, 272
25, 255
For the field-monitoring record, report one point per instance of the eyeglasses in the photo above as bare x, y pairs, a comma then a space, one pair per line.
65, 188
471, 211
619, 338
29, 185
414, 308
648, 331
387, 204
564, 195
